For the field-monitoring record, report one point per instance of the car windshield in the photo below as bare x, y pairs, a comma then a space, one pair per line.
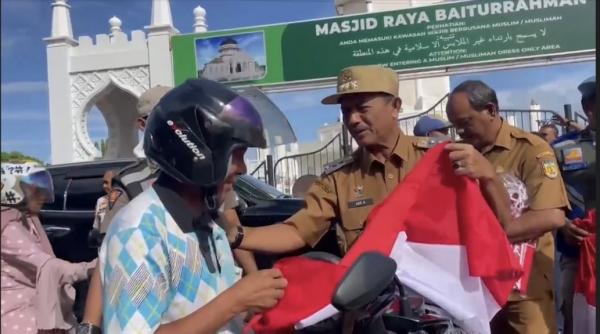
258, 188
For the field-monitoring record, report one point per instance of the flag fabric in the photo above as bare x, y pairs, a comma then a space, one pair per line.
525, 251
584, 300
446, 241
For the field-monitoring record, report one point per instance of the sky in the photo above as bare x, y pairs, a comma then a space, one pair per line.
24, 89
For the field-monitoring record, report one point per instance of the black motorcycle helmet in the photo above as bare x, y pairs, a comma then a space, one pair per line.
193, 130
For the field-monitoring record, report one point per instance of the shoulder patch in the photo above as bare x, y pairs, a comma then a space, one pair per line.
549, 168
337, 165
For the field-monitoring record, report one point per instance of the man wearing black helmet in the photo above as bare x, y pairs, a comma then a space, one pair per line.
166, 266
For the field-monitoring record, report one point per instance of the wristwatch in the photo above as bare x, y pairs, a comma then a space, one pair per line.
87, 328
239, 237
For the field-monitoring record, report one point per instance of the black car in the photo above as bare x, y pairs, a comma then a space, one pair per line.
78, 186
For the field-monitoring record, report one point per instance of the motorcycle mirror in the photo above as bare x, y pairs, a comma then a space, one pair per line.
368, 277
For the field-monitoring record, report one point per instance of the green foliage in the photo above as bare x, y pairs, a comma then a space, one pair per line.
18, 157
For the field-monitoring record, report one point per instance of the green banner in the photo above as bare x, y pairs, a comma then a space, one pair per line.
409, 40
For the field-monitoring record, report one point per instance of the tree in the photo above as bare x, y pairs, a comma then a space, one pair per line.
18, 157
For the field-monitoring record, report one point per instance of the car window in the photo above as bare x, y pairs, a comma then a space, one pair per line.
60, 184
83, 181
83, 193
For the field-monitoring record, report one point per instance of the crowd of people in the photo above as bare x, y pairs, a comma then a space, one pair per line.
172, 243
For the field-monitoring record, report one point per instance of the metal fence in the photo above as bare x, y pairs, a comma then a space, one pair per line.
527, 120
288, 169
438, 110
285, 171
264, 170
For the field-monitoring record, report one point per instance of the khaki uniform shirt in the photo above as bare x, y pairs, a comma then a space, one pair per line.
347, 193
531, 159
120, 201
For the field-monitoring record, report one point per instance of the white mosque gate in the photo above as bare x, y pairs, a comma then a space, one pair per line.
109, 72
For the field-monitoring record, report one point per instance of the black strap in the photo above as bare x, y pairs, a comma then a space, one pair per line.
239, 237
207, 244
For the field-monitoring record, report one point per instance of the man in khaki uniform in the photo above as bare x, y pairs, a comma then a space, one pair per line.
473, 109
347, 192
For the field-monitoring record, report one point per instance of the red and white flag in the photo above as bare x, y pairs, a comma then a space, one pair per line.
446, 241
584, 300
525, 251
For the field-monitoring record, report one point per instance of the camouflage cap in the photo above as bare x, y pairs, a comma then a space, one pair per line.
364, 79
150, 98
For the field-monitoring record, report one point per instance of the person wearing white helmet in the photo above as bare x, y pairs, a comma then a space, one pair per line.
36, 290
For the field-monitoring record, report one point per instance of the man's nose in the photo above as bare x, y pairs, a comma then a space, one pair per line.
353, 118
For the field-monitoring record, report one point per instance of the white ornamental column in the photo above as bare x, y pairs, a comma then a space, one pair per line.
200, 19
115, 25
160, 31
58, 50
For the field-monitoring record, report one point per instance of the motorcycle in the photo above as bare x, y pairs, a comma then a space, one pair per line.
372, 300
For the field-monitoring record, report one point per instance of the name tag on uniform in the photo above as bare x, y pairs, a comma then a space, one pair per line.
573, 159
360, 203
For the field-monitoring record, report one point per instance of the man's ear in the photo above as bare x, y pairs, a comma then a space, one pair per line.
141, 124
492, 109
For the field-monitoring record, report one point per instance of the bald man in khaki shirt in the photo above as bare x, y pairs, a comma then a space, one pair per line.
473, 109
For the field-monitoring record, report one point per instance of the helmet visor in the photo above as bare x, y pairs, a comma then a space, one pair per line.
42, 182
246, 122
